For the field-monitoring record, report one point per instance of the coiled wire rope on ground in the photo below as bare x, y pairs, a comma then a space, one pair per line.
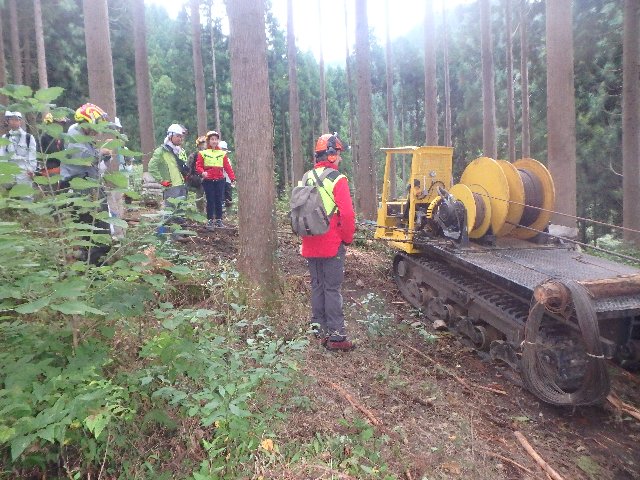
536, 372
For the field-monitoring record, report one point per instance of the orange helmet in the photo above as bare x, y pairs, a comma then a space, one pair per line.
90, 113
329, 145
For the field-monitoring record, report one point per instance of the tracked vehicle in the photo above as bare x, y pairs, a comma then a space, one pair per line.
478, 256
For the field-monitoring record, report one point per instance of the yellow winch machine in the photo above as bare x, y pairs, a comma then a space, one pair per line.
466, 257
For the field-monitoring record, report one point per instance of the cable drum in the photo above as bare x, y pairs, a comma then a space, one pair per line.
532, 195
536, 373
480, 211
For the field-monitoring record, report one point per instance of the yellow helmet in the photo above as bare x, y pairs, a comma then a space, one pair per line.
200, 139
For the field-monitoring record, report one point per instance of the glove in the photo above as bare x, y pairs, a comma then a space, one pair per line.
165, 184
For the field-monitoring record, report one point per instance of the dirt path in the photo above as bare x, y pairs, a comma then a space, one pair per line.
436, 408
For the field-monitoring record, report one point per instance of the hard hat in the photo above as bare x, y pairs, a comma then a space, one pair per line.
9, 114
222, 145
90, 113
175, 129
200, 139
210, 133
329, 145
49, 118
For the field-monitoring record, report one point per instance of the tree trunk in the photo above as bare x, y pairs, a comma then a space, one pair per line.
253, 126
3, 63
524, 79
198, 71
631, 121
99, 61
561, 109
489, 146
25, 20
430, 82
294, 101
511, 120
366, 194
324, 120
42, 59
216, 101
352, 114
285, 153
100, 71
143, 86
390, 136
16, 56
447, 80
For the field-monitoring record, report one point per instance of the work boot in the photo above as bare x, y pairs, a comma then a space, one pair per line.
210, 224
219, 223
339, 345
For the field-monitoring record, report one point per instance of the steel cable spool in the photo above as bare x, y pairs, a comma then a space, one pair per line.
538, 376
539, 198
532, 197
480, 211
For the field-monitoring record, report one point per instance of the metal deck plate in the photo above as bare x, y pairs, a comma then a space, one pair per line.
521, 266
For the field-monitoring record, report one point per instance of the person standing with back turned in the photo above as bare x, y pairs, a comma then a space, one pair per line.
325, 253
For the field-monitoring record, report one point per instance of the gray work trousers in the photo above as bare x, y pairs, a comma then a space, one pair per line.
327, 275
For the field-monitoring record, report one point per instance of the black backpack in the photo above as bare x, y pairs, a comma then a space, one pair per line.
308, 215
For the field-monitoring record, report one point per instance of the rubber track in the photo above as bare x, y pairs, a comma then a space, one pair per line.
497, 301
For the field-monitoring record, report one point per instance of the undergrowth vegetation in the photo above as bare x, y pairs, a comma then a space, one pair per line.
106, 368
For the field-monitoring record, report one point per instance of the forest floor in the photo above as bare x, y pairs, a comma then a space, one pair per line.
425, 405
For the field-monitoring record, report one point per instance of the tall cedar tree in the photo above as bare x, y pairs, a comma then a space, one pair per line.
143, 86
511, 116
253, 128
14, 39
198, 70
489, 146
99, 60
3, 64
100, 71
630, 121
447, 79
25, 27
43, 82
285, 155
524, 79
352, 110
324, 120
389, 77
561, 109
216, 101
294, 100
430, 81
366, 171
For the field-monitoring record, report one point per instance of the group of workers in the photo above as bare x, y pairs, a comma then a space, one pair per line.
209, 170
22, 148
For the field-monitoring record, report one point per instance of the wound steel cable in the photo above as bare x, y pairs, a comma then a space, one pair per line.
539, 375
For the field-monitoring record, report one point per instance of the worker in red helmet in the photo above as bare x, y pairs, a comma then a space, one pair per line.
325, 253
